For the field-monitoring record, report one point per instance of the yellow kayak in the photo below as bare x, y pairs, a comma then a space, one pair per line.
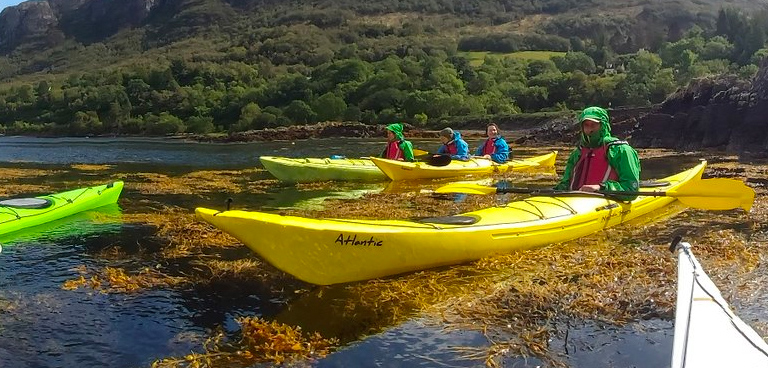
330, 251
401, 170
304, 170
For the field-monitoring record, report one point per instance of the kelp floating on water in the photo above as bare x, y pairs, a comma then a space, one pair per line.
91, 167
182, 234
259, 341
228, 181
116, 280
187, 252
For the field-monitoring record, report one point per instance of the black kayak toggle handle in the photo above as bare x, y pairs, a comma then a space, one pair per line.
675, 241
229, 202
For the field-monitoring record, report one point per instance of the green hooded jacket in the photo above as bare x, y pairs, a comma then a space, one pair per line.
404, 145
622, 158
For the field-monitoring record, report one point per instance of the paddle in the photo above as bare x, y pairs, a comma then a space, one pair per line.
711, 194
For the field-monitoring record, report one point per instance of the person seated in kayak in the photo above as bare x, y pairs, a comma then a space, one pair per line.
495, 147
453, 145
600, 162
397, 147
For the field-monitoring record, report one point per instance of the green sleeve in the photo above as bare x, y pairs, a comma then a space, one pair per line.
624, 160
565, 181
407, 148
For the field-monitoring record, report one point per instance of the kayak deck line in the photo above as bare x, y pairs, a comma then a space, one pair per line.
40, 212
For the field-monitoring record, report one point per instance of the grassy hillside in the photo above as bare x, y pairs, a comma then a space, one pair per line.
625, 25
476, 58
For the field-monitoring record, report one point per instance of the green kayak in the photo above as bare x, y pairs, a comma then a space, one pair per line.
20, 213
305, 170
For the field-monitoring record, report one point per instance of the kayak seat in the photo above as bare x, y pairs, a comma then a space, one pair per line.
33, 203
451, 220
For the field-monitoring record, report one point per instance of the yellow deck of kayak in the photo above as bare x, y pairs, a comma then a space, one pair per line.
304, 170
401, 170
329, 251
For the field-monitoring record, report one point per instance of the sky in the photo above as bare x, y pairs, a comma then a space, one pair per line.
7, 3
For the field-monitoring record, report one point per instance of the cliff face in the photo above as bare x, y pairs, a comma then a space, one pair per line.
26, 22
721, 113
48, 21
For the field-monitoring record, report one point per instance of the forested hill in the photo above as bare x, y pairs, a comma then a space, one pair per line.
168, 66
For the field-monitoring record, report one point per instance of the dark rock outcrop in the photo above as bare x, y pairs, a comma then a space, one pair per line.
47, 22
715, 113
564, 130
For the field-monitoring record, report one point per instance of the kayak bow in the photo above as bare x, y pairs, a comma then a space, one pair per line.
20, 213
707, 332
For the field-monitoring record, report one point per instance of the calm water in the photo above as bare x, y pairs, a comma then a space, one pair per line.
46, 326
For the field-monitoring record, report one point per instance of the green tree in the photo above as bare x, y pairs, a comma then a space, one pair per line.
25, 94
248, 115
533, 98
163, 124
538, 67
717, 47
329, 107
645, 80
420, 119
573, 61
85, 123
299, 112
200, 124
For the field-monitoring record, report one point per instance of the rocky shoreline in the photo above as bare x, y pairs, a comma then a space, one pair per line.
322, 130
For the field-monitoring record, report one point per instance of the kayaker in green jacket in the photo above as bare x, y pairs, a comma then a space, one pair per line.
600, 162
397, 147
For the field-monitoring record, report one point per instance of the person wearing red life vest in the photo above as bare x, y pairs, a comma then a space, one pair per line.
397, 147
600, 162
453, 145
495, 147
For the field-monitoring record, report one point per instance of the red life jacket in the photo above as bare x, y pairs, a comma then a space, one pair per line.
593, 167
451, 147
393, 151
489, 147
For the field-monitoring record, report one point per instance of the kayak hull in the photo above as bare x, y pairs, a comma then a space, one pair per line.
305, 170
401, 170
707, 332
330, 251
62, 205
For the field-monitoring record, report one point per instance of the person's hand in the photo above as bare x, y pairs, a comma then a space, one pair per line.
589, 188
487, 157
